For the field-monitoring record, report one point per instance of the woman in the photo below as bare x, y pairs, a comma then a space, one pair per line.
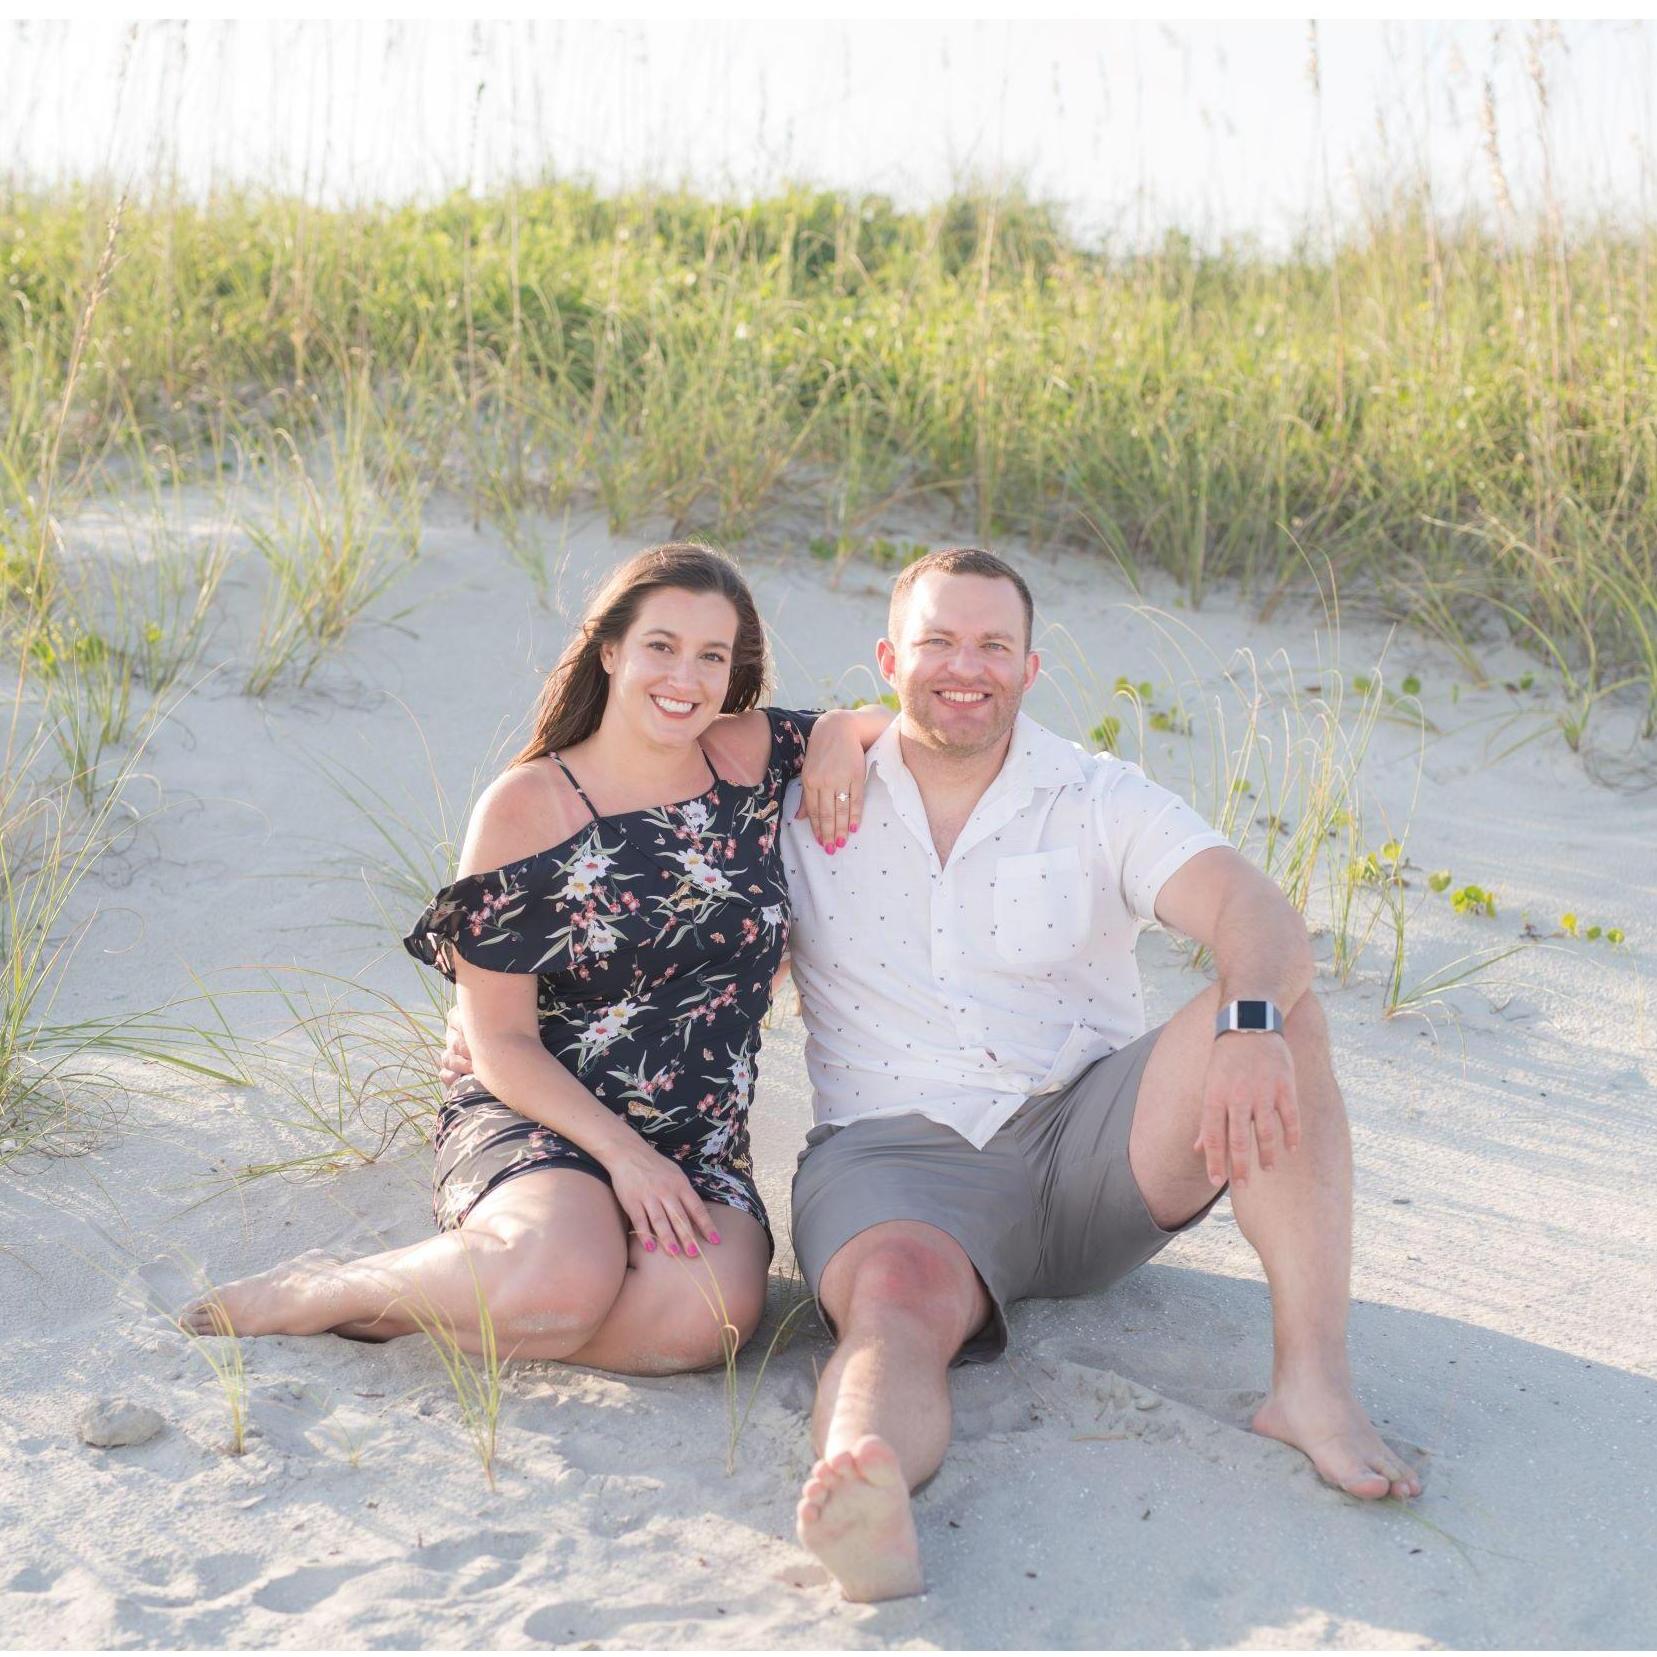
618, 920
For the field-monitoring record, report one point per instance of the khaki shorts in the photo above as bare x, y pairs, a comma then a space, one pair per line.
1048, 1207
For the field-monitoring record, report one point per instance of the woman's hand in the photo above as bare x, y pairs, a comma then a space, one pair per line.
831, 780
454, 1063
661, 1205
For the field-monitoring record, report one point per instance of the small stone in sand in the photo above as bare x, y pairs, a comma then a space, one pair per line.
109, 1422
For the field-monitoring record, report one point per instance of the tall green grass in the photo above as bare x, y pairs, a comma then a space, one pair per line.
1458, 418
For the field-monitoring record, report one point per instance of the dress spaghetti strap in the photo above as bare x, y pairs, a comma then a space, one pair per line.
575, 785
597, 815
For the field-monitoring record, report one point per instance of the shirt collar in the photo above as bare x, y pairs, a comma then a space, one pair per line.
1036, 757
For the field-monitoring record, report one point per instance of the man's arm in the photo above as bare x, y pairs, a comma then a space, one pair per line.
1262, 952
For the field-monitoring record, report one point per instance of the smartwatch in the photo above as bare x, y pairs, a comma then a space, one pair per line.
1249, 1015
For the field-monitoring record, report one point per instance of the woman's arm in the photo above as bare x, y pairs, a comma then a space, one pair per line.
835, 766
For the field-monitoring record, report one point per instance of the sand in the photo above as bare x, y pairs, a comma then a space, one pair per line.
1103, 1489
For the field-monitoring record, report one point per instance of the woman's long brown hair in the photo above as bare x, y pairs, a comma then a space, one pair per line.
572, 700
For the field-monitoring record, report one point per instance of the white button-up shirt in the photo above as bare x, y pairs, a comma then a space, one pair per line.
959, 989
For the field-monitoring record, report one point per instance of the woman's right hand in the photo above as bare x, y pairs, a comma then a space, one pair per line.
661, 1205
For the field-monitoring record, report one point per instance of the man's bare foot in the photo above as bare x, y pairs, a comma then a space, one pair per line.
854, 1515
1322, 1419
293, 1298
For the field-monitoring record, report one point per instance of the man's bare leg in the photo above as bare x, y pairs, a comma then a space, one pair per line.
903, 1297
1298, 1217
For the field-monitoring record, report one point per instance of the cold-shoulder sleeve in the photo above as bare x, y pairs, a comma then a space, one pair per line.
790, 728
479, 918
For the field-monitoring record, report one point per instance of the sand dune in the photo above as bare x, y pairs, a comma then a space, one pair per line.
1104, 1489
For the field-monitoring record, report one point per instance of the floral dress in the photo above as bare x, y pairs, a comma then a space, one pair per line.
654, 936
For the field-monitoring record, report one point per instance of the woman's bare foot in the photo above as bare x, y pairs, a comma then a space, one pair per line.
298, 1297
1321, 1418
854, 1515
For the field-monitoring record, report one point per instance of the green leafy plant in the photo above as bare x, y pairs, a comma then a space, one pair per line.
1473, 900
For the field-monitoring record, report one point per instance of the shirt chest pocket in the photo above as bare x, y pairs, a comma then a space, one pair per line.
1043, 908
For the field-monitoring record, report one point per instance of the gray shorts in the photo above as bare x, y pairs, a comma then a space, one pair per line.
1048, 1207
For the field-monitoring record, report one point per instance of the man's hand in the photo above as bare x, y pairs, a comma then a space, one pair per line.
454, 1064
1249, 1089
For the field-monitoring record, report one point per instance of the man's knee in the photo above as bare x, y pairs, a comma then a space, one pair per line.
925, 1283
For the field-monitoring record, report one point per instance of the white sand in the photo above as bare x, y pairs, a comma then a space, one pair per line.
1506, 1253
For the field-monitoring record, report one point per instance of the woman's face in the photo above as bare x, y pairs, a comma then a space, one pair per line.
671, 669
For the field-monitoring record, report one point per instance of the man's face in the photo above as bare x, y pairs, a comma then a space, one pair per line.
961, 663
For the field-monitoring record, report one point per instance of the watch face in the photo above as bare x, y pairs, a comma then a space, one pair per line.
1251, 1015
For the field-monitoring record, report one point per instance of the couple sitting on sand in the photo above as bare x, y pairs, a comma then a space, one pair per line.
960, 904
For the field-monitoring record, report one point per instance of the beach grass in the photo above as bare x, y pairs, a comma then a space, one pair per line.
1456, 417
477, 1379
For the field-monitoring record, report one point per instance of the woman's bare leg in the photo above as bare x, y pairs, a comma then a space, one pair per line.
670, 1312
546, 1252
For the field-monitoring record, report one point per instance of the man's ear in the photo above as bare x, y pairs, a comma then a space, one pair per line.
887, 657
1032, 668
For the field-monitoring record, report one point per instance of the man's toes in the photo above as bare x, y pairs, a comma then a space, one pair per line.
1364, 1482
843, 1464
816, 1490
877, 1461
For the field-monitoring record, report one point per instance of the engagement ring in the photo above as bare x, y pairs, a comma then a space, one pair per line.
842, 796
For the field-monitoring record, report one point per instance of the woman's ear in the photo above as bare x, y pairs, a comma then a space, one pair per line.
607, 656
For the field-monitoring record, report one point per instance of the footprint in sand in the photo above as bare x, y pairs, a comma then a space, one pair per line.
306, 1588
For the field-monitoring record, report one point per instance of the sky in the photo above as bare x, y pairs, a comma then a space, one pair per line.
1214, 128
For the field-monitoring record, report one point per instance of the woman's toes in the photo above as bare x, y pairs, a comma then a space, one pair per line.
815, 1490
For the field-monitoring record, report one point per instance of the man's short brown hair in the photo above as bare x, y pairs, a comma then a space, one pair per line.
959, 561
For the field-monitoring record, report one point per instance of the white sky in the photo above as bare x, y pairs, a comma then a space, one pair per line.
1210, 126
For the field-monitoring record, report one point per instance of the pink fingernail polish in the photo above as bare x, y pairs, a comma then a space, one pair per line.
650, 1245
672, 1248
840, 840
690, 1248
713, 1236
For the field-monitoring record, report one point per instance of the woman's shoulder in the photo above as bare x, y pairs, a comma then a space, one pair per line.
739, 744
529, 808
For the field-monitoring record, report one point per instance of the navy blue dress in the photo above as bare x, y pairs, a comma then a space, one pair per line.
654, 936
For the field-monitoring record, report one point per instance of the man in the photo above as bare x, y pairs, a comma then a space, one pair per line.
992, 1120
991, 1123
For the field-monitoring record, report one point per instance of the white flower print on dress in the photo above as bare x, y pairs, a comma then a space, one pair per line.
608, 1027
701, 873
602, 938
583, 874
742, 1076
695, 814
